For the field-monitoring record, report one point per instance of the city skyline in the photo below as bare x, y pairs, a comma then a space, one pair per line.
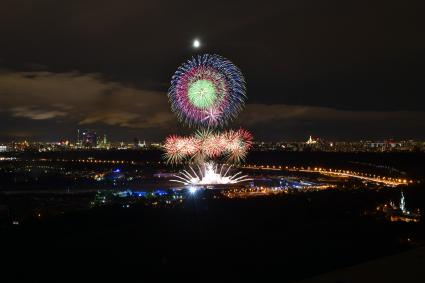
347, 75
102, 135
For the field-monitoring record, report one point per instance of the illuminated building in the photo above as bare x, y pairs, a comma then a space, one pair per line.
103, 143
402, 203
87, 138
401, 213
311, 141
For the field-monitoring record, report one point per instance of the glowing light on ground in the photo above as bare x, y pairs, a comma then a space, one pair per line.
209, 174
192, 190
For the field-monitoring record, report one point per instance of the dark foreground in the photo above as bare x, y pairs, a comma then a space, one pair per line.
289, 238
403, 267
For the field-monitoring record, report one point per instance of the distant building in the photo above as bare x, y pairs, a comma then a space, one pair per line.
402, 203
3, 148
103, 143
400, 213
87, 138
311, 141
138, 143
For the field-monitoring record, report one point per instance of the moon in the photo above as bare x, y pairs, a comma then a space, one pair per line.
196, 43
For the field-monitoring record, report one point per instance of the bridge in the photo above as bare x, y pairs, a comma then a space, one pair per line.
388, 181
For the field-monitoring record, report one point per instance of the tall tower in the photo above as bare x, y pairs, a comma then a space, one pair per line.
402, 203
78, 138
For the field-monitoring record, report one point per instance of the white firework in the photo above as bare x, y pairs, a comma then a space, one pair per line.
210, 174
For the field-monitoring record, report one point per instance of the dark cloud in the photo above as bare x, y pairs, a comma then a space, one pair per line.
54, 105
81, 100
107, 64
295, 122
36, 114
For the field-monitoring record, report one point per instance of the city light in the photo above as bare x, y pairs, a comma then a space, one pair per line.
336, 173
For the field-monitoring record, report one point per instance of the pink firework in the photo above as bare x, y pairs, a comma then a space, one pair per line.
212, 145
233, 145
238, 144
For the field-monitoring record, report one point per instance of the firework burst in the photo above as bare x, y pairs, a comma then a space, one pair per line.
209, 174
207, 90
206, 144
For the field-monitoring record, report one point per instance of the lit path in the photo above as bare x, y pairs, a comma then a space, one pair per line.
87, 160
389, 181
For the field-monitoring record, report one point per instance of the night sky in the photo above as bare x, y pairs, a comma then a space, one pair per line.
339, 70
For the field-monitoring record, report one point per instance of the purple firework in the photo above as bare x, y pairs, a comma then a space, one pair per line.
208, 90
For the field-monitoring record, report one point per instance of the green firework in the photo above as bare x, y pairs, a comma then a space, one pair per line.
202, 94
